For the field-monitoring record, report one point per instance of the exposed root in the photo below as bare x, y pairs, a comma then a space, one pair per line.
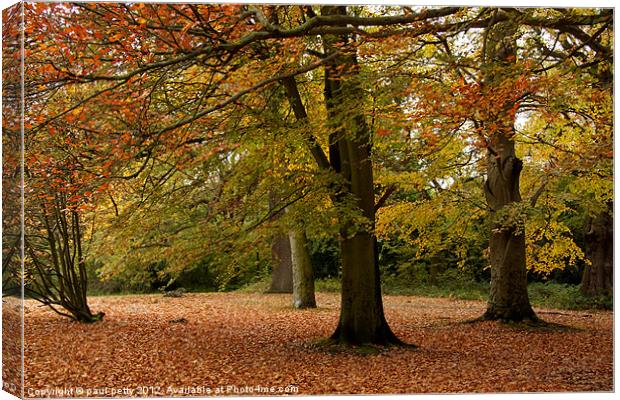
510, 315
382, 337
89, 318
334, 346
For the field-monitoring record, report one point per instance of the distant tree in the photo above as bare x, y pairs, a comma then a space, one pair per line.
282, 266
303, 277
598, 276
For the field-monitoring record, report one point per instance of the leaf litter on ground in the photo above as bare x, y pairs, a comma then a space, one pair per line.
240, 340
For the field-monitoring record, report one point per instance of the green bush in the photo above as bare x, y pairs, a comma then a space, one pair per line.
565, 296
327, 285
325, 257
449, 283
115, 285
260, 285
461, 285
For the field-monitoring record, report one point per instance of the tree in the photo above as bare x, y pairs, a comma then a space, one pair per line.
509, 75
55, 266
508, 299
282, 266
281, 258
44, 195
598, 276
361, 314
57, 197
303, 278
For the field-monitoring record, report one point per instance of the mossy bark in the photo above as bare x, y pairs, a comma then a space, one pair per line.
303, 276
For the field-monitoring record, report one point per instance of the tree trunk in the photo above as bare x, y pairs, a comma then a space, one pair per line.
361, 315
282, 270
508, 298
436, 268
58, 275
598, 277
303, 277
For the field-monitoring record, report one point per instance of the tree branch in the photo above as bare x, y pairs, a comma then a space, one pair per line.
242, 93
388, 192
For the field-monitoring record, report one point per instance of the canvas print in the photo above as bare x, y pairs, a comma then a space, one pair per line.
269, 199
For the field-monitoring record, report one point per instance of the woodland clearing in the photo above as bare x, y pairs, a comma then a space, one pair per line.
212, 340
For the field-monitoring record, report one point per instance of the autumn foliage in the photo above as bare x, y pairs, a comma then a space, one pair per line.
165, 141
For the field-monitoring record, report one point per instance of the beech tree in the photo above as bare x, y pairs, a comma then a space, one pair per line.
489, 91
508, 298
303, 278
598, 276
282, 266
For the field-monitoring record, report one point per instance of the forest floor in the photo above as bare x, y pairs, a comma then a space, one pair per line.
238, 343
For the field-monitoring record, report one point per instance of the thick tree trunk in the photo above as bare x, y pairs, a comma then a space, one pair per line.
361, 314
598, 277
508, 298
282, 270
362, 320
303, 277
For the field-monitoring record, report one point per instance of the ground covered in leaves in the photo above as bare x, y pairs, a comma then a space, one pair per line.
234, 343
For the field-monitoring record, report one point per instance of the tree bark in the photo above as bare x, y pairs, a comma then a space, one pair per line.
282, 271
303, 277
58, 274
598, 277
282, 267
361, 315
508, 299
